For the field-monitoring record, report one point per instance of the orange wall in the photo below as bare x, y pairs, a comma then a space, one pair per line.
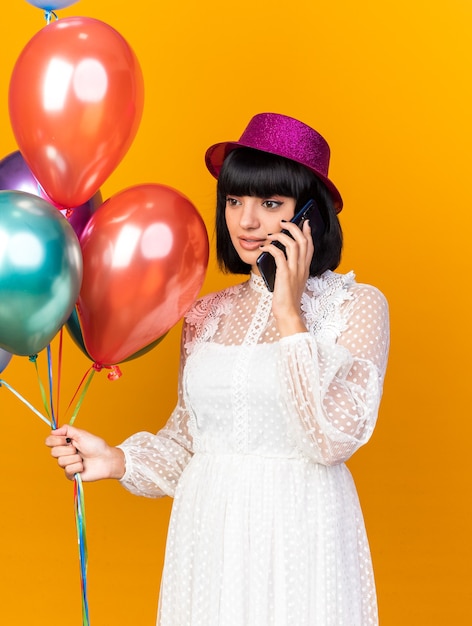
389, 85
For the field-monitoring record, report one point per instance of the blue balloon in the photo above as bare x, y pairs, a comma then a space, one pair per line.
40, 272
51, 5
5, 358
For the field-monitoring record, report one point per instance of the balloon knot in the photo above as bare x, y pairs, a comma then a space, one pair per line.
33, 358
114, 373
48, 15
68, 213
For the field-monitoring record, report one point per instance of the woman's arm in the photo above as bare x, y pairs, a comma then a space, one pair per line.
333, 390
146, 464
154, 462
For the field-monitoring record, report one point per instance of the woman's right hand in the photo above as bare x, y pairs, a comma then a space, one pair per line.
80, 452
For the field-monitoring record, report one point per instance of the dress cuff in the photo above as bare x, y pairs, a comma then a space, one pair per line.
295, 338
125, 476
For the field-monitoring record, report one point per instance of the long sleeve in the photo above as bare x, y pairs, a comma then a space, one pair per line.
154, 462
332, 388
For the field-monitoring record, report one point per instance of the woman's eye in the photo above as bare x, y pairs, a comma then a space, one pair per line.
271, 204
231, 201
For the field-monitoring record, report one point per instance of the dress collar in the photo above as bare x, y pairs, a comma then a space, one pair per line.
257, 283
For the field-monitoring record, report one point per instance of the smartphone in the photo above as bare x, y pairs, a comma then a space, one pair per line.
266, 262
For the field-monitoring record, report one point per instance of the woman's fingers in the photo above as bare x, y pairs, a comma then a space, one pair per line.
68, 459
55, 440
298, 248
74, 468
63, 450
294, 235
62, 436
61, 441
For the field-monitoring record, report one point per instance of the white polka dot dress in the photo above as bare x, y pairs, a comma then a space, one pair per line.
266, 527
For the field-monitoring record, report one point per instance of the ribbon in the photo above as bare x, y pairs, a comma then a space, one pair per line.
114, 374
59, 371
79, 507
53, 413
30, 406
53, 417
48, 15
34, 359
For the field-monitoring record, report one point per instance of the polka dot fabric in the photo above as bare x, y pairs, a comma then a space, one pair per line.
266, 527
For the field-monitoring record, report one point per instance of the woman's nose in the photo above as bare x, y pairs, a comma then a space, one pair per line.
249, 217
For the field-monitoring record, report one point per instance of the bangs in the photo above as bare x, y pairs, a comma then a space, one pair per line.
248, 172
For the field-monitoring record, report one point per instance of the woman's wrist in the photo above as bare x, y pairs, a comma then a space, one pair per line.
117, 463
291, 325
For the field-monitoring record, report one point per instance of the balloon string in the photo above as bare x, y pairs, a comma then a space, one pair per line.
34, 359
30, 406
48, 15
79, 505
79, 502
51, 391
90, 373
59, 370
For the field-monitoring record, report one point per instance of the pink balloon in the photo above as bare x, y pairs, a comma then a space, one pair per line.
145, 253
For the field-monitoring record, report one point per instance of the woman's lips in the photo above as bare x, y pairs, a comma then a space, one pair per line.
250, 244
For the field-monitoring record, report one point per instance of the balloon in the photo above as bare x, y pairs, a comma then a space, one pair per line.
16, 175
40, 272
80, 215
5, 358
51, 5
145, 253
75, 100
73, 326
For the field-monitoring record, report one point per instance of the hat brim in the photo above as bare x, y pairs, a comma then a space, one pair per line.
216, 154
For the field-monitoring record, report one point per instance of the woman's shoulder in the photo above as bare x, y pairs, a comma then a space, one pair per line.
210, 306
369, 296
330, 299
212, 299
202, 319
344, 285
330, 281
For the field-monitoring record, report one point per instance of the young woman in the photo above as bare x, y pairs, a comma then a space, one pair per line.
277, 390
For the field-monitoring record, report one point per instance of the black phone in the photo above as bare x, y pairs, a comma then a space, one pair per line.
266, 262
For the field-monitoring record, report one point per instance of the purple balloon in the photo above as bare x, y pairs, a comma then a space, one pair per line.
80, 216
5, 358
15, 175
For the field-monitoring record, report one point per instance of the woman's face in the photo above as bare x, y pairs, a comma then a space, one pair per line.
250, 220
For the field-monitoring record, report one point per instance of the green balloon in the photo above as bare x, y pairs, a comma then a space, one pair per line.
40, 272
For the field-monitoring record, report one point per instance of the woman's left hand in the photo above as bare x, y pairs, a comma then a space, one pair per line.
292, 274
